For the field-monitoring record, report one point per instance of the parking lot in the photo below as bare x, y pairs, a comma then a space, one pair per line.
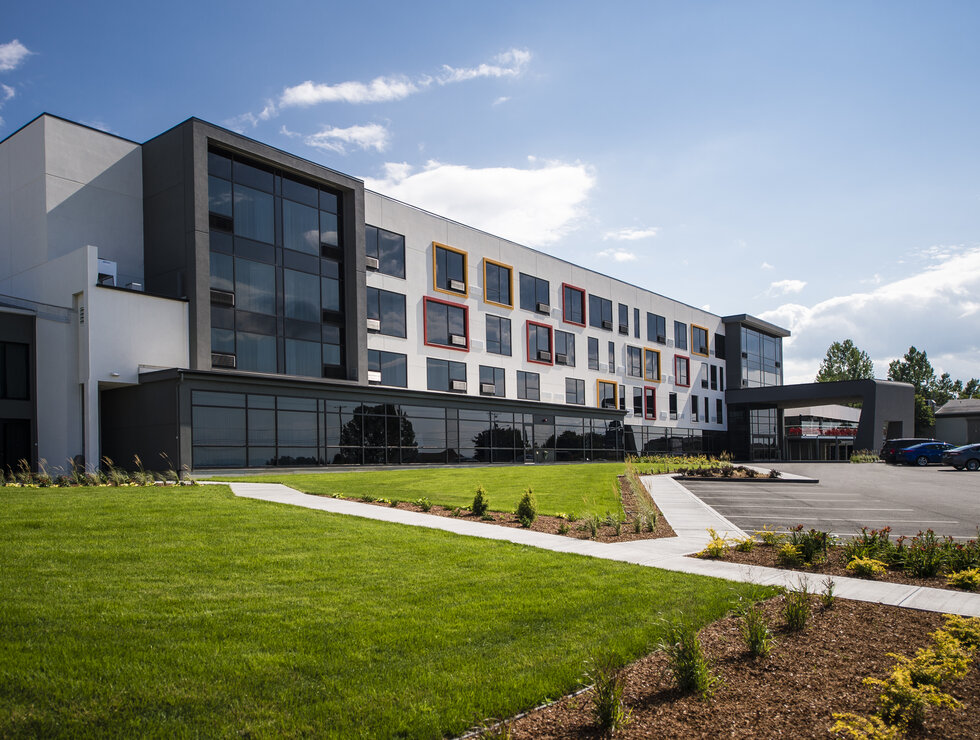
849, 497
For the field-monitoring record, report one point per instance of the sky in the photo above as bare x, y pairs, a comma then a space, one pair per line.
815, 164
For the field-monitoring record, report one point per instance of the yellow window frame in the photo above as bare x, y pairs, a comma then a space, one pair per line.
660, 373
707, 341
510, 268
598, 396
436, 246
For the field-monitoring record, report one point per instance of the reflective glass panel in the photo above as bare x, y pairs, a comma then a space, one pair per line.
255, 286
254, 214
300, 228
302, 299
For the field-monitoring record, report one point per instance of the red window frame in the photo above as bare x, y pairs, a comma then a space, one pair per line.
527, 342
425, 324
581, 292
687, 363
648, 391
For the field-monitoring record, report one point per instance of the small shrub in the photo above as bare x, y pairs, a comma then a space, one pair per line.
865, 728
423, 503
756, 633
637, 524
616, 521
608, 710
796, 609
770, 537
924, 555
746, 544
866, 567
827, 597
488, 517
688, 663
774, 473
716, 545
790, 555
964, 629
563, 528
480, 502
591, 524
456, 511
383, 500
864, 456
902, 702
812, 545
969, 580
527, 508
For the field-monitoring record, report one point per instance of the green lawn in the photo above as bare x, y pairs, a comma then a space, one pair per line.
188, 612
569, 489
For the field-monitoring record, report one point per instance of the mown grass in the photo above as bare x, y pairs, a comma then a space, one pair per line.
188, 612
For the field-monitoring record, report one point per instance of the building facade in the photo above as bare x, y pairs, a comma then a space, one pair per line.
212, 301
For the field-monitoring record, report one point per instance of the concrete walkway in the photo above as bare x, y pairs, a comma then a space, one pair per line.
690, 519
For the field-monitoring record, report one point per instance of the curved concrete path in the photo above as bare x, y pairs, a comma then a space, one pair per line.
690, 519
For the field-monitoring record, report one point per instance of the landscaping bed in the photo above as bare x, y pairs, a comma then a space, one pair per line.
792, 693
569, 525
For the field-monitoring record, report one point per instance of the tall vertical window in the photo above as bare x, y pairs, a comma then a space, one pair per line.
636, 323
539, 343
388, 309
564, 348
682, 371
622, 398
714, 377
762, 357
528, 386
593, 353
572, 305
15, 373
672, 405
707, 417
694, 408
721, 378
624, 319
680, 335
704, 375
656, 328
719, 411
492, 381
448, 269
386, 249
574, 391
612, 357
498, 335
634, 362
699, 340
446, 324
535, 294
391, 368
720, 346
497, 283
444, 375
650, 406
637, 401
600, 312
606, 394
651, 365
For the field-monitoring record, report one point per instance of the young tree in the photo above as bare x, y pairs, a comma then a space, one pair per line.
971, 389
844, 361
916, 369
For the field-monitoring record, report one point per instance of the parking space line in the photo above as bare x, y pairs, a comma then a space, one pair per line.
815, 508
848, 519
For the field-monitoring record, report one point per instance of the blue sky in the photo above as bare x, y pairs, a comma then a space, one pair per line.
815, 164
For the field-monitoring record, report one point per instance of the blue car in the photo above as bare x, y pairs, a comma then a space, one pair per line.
922, 454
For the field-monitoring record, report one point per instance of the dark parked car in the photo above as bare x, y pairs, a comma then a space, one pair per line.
892, 446
967, 456
922, 454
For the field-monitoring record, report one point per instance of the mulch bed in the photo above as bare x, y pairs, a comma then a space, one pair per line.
552, 524
834, 565
792, 693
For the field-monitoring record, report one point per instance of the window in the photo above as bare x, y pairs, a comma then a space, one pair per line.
564, 348
672, 405
636, 323
575, 391
444, 375
535, 294
593, 353
612, 357
528, 386
600, 312
388, 309
15, 373
694, 408
680, 335
330, 285
492, 381
699, 340
761, 359
448, 269
624, 319
572, 305
388, 248
446, 324
606, 397
720, 346
707, 417
391, 368
497, 283
622, 398
539, 347
637, 401
682, 371
656, 328
719, 411
650, 408
498, 335
651, 365
634, 362
721, 378
714, 377
704, 375
255, 287
302, 292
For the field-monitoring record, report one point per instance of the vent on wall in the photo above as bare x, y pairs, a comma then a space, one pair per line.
374, 376
458, 285
488, 389
459, 341
544, 308
222, 298
606, 324
371, 263
222, 360
544, 355
458, 386
374, 324
561, 359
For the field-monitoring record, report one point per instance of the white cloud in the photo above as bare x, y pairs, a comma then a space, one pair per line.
369, 136
509, 64
630, 234
535, 206
765, 266
619, 255
784, 287
6, 93
12, 54
501, 100
936, 309
378, 90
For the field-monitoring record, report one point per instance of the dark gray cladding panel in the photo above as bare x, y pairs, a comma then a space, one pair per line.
141, 420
